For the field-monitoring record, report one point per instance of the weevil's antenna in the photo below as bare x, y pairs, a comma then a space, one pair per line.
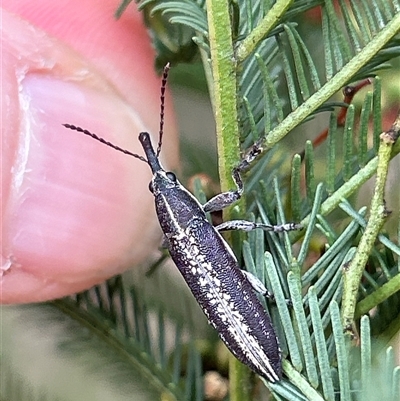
102, 140
162, 106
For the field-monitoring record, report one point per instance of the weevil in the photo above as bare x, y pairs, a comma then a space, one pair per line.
225, 293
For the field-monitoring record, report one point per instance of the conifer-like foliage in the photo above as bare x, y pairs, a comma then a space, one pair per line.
267, 75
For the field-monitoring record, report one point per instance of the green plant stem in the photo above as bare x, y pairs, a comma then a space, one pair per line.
239, 380
224, 88
334, 84
348, 188
261, 30
378, 296
353, 274
224, 92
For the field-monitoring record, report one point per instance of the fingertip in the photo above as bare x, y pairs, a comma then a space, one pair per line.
74, 212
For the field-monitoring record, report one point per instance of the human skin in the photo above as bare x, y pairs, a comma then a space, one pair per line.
75, 212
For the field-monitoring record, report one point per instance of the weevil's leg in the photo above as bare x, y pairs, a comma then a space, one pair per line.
257, 285
249, 226
225, 199
221, 201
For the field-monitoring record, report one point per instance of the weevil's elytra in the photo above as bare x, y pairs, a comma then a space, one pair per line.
213, 275
225, 294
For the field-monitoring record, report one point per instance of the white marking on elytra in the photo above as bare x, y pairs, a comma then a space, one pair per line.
226, 310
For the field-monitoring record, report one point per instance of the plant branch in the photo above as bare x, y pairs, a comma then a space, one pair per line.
224, 88
353, 274
334, 84
224, 101
348, 188
378, 296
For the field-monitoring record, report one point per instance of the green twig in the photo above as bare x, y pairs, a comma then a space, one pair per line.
334, 84
348, 188
224, 88
353, 274
378, 296
224, 91
239, 380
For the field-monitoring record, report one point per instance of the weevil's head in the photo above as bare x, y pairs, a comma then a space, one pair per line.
163, 182
175, 205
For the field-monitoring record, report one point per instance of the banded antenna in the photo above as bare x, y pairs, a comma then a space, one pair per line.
162, 104
125, 151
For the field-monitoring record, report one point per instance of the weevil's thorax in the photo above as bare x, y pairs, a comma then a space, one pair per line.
175, 206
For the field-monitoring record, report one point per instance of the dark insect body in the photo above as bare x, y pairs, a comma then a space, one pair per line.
225, 293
